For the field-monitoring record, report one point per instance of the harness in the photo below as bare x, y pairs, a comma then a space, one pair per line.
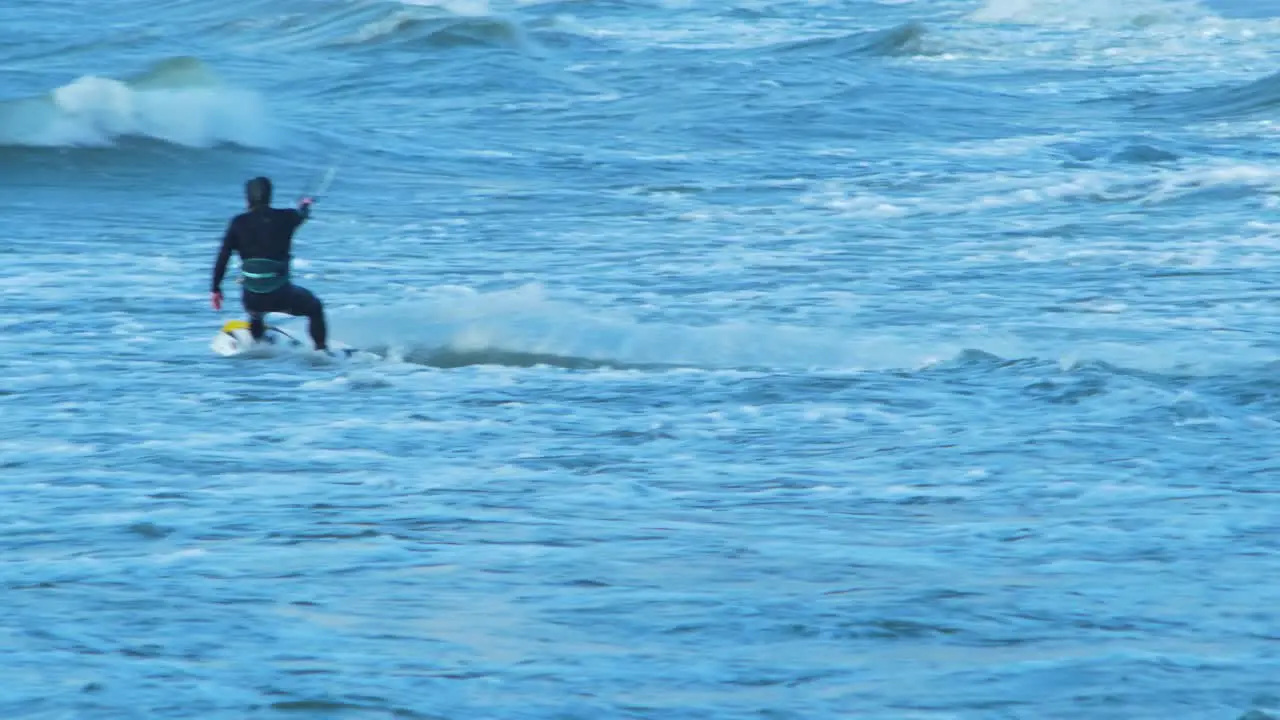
261, 275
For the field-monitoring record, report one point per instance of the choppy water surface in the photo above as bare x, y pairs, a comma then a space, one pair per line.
727, 360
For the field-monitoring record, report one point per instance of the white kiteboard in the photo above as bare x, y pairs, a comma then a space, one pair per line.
235, 339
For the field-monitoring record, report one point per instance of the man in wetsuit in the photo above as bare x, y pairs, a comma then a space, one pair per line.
263, 236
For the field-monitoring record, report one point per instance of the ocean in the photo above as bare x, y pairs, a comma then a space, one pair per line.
770, 359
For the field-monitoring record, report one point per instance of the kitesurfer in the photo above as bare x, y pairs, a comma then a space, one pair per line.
263, 237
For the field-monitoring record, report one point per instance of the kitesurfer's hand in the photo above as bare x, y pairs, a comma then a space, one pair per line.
305, 202
216, 300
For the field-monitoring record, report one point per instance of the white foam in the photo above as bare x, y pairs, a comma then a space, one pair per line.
96, 111
1140, 185
383, 27
1004, 11
1003, 147
1177, 41
1226, 174
1089, 12
469, 8
526, 320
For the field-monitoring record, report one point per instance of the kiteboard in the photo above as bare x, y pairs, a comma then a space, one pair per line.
235, 339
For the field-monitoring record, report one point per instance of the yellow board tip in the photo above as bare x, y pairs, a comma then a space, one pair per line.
233, 325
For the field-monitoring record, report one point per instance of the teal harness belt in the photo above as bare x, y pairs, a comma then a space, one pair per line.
261, 275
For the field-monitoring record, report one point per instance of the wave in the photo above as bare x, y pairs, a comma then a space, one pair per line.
425, 26
448, 358
463, 24
904, 39
1138, 152
178, 101
521, 327
457, 7
1222, 102
1141, 153
457, 327
439, 32
1135, 13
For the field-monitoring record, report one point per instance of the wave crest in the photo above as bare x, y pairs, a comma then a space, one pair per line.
178, 101
456, 326
1219, 102
904, 39
407, 27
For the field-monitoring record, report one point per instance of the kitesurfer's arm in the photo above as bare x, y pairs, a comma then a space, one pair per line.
220, 267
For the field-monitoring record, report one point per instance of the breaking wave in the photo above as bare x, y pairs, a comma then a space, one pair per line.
521, 327
431, 29
178, 101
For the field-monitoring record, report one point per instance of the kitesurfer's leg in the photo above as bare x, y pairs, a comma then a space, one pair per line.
257, 305
303, 302
257, 325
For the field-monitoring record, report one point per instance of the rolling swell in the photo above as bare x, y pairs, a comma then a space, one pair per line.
900, 40
411, 29
177, 101
1222, 102
374, 27
449, 358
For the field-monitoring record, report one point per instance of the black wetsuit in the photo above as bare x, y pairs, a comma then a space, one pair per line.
263, 237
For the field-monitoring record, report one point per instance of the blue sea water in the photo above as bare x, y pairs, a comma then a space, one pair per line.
752, 359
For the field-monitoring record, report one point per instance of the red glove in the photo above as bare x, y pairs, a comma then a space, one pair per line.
216, 300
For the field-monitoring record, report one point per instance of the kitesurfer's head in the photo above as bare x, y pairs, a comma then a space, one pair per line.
257, 192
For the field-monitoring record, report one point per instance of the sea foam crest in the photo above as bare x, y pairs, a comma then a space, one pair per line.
178, 101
